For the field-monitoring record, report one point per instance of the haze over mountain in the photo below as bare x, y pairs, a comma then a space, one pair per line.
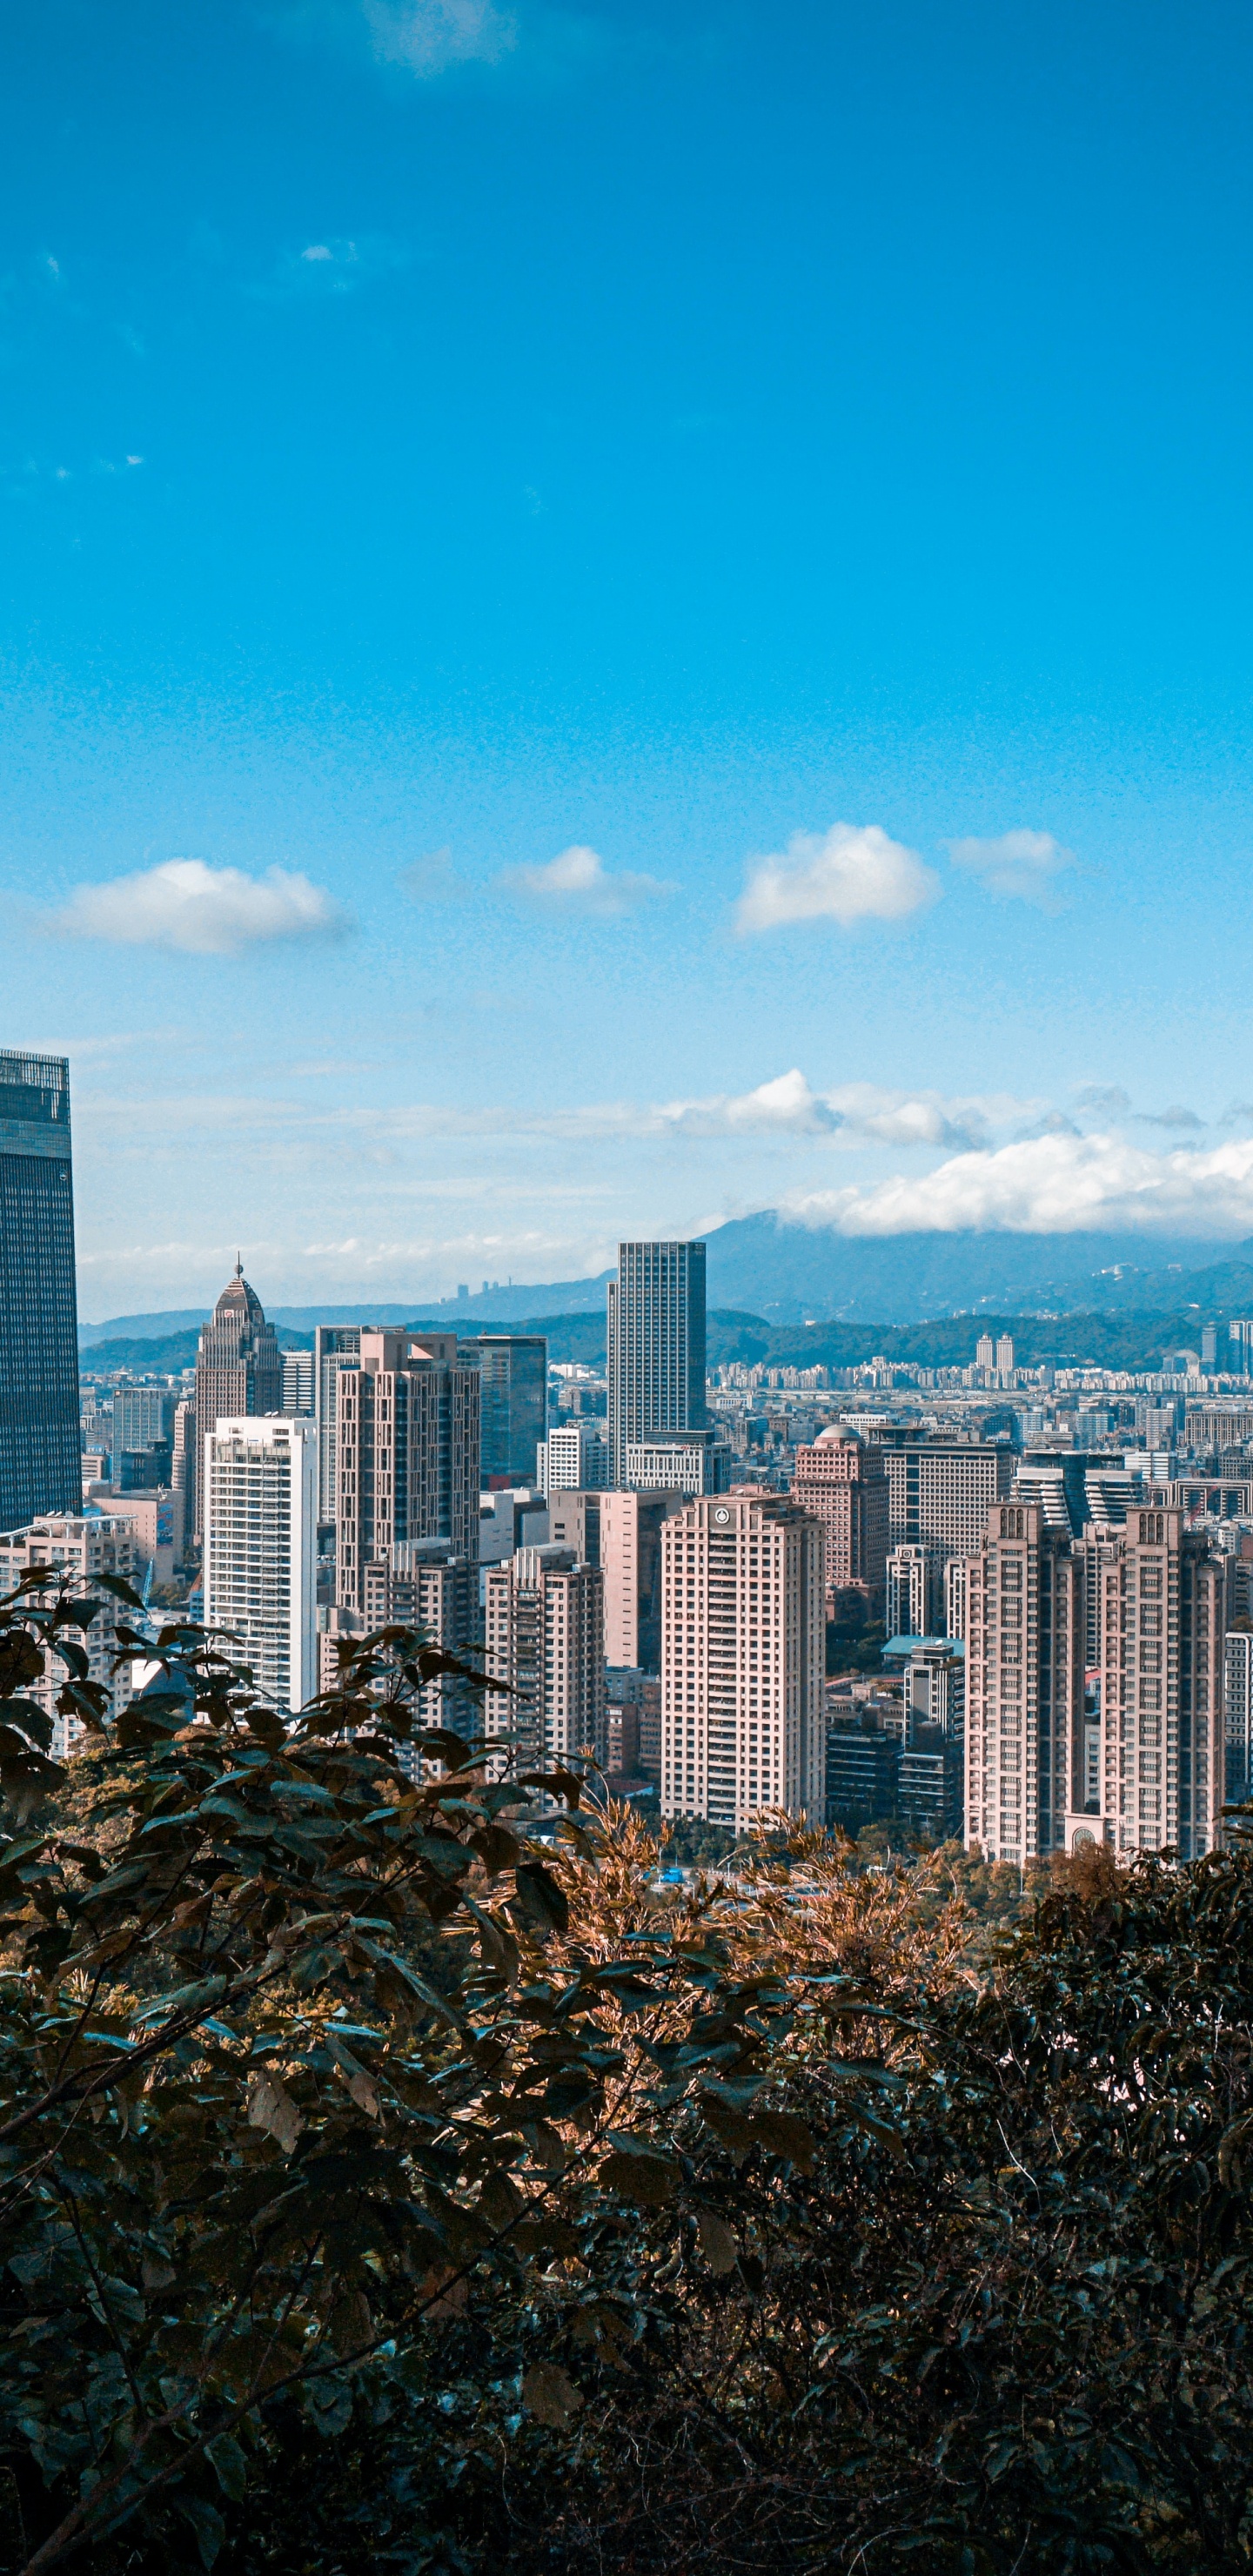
787, 1272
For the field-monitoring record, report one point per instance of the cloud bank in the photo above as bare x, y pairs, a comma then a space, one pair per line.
851, 873
577, 881
1053, 1184
186, 906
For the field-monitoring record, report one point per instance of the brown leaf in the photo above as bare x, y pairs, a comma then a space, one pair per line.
270, 2107
717, 2243
550, 2395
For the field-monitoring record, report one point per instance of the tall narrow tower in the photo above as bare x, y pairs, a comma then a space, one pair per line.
239, 1367
656, 1345
40, 1450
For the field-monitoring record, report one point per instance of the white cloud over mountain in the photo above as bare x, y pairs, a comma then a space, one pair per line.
850, 873
185, 905
1051, 1184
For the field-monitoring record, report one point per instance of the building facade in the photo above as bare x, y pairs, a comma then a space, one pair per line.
544, 1637
574, 1458
913, 1593
513, 1402
841, 1483
83, 1548
940, 1492
1025, 1637
239, 1367
332, 1345
40, 1449
655, 1325
1238, 1689
1163, 1687
407, 1453
260, 1494
742, 1659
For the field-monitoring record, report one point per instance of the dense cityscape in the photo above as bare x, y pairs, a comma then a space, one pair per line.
1003, 1604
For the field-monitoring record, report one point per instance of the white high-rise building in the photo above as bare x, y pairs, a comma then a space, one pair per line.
260, 1549
956, 1595
81, 1549
742, 1659
574, 1459
911, 1590
655, 1346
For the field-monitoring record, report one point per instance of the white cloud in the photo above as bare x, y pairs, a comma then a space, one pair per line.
856, 1113
851, 873
1054, 1184
433, 879
428, 36
186, 905
577, 880
1025, 864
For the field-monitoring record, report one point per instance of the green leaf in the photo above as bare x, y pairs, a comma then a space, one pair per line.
207, 2525
541, 1901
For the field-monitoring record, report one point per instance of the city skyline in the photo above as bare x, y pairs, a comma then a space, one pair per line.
596, 507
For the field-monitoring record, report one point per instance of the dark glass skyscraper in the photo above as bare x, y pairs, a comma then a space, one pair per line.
41, 1468
655, 1330
513, 1399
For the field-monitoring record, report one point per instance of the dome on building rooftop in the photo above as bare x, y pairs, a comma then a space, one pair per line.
838, 1436
238, 1298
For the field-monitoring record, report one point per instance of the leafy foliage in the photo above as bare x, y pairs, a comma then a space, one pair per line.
382, 2182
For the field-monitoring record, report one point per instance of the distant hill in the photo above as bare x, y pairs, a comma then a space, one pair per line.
784, 1273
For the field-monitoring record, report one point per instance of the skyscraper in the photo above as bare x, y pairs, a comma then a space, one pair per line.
407, 1455
841, 1482
742, 1660
1025, 1637
574, 1458
260, 1549
655, 1330
912, 1592
513, 1402
940, 1492
40, 1453
239, 1367
332, 1345
545, 1637
1163, 1625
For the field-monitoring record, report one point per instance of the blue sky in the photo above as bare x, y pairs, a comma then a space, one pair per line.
614, 615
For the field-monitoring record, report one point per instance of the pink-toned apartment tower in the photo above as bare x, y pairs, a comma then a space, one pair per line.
843, 1484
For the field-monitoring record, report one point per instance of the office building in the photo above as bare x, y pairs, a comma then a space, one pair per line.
83, 1547
862, 1774
655, 1325
239, 1368
913, 1593
574, 1458
544, 1634
841, 1482
513, 1402
143, 1417
940, 1492
407, 1452
1024, 1684
514, 1516
985, 1354
333, 1344
39, 1412
742, 1659
297, 1382
699, 1464
1164, 1619
260, 1495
